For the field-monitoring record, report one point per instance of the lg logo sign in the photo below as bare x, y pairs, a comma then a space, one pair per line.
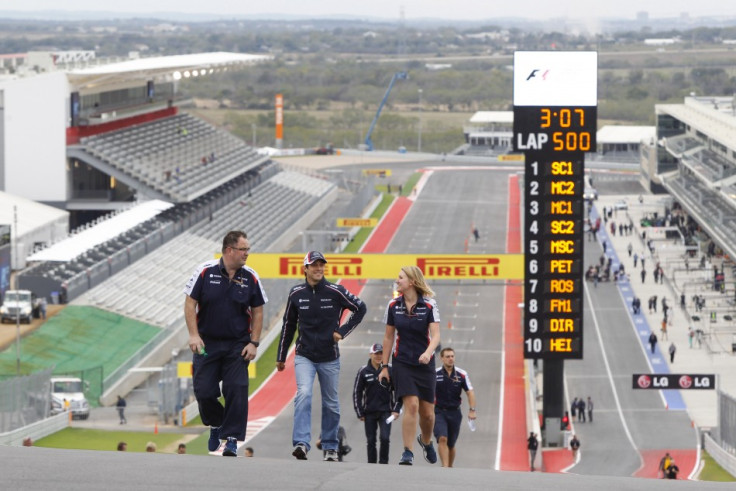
673, 381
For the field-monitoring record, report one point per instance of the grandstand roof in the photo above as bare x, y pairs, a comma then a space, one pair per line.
492, 117
31, 214
69, 248
712, 116
147, 68
625, 134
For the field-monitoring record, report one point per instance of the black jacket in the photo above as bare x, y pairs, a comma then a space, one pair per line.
317, 311
369, 396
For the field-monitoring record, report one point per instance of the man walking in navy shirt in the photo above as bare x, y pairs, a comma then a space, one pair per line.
451, 381
223, 310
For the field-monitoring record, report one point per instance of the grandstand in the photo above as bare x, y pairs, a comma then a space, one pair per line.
177, 158
138, 172
693, 158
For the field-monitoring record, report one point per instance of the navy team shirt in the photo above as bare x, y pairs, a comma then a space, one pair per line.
412, 328
223, 304
449, 389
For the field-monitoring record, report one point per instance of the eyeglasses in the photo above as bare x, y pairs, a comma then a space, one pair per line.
241, 249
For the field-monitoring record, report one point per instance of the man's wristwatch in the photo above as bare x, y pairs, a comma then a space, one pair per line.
471, 408
381, 366
254, 343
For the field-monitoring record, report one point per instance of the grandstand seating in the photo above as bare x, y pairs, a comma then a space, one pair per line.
111, 256
151, 289
681, 144
697, 195
181, 157
710, 165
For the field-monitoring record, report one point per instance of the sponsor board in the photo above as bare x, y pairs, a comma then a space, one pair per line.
357, 222
377, 172
387, 266
511, 157
673, 381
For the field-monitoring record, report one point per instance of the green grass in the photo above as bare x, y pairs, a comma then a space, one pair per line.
363, 234
712, 471
79, 338
410, 183
87, 439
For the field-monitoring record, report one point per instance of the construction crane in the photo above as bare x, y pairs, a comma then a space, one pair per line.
397, 76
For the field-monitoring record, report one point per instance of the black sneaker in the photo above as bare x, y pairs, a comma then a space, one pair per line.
429, 454
231, 447
407, 458
331, 456
300, 451
214, 442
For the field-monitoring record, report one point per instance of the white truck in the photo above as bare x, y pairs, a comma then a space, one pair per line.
67, 394
17, 303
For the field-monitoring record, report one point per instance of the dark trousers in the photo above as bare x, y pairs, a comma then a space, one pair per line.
377, 421
222, 362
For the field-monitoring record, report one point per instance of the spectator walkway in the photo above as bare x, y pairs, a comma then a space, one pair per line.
706, 357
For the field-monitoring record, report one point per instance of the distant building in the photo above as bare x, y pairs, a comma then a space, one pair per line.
437, 66
693, 158
624, 140
661, 41
491, 131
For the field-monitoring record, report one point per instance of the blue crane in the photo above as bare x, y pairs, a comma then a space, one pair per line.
397, 76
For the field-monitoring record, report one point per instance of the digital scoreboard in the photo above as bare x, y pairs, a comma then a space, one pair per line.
555, 120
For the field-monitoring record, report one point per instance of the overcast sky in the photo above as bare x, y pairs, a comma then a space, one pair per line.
389, 9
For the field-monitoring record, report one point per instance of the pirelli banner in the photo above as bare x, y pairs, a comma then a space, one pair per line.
673, 381
386, 266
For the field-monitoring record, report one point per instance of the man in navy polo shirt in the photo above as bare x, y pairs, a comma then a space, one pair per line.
316, 307
223, 310
451, 381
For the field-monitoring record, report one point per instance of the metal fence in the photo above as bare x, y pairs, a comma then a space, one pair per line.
25, 400
727, 421
720, 442
174, 393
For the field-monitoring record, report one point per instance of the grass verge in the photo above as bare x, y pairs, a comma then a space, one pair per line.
89, 439
410, 183
712, 471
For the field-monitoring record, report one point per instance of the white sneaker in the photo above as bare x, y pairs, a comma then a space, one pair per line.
331, 456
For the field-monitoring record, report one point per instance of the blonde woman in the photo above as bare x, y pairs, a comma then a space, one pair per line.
413, 320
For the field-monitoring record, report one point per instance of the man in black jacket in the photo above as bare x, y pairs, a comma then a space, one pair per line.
316, 306
374, 404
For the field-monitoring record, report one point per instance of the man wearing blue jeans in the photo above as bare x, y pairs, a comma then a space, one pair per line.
316, 307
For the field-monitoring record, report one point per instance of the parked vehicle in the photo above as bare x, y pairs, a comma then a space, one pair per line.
67, 394
17, 303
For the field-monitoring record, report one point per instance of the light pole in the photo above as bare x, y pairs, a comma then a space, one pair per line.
419, 141
253, 127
